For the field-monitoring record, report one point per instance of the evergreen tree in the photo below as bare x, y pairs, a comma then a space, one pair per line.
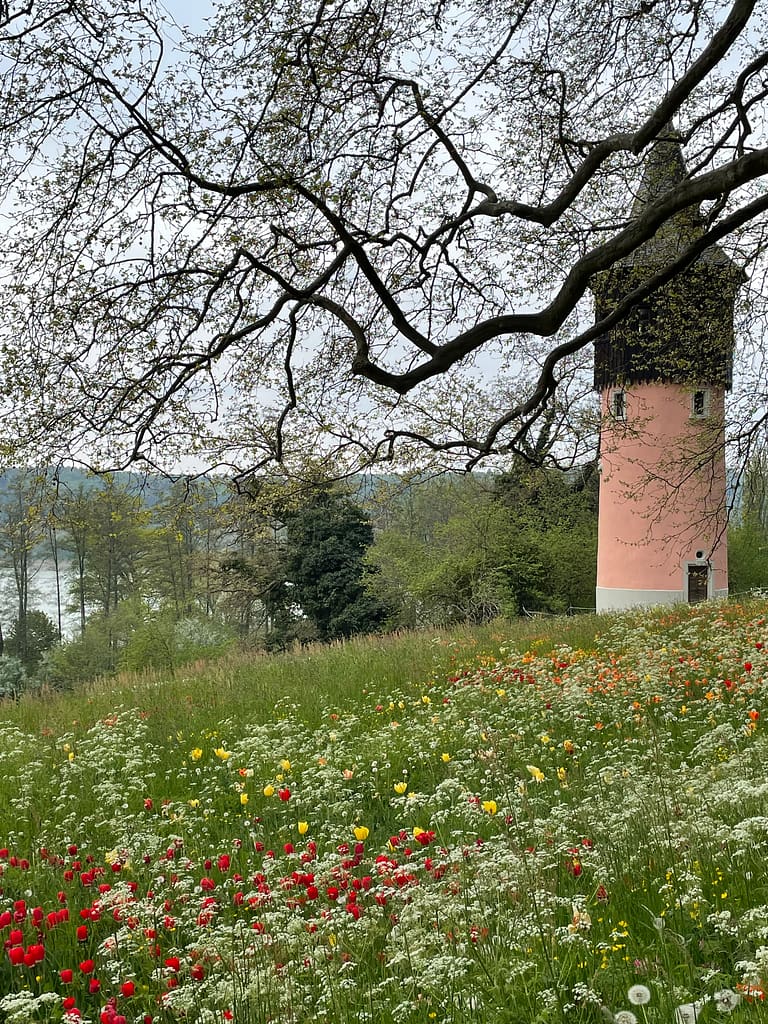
326, 546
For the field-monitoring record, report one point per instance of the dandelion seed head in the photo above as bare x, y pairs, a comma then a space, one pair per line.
639, 995
726, 1000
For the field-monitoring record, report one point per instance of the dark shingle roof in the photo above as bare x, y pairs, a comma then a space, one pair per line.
664, 168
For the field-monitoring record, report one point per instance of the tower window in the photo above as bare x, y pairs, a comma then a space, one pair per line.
700, 404
618, 405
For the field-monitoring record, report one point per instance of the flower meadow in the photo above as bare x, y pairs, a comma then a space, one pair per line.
560, 834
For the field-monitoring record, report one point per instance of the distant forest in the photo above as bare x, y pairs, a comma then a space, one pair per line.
155, 572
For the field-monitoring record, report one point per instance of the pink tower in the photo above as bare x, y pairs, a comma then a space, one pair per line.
662, 374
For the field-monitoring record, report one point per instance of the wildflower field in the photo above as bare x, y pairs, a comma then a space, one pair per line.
529, 836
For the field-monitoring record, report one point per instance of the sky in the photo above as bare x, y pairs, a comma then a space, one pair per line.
190, 12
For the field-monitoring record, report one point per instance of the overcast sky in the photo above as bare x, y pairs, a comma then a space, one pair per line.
190, 12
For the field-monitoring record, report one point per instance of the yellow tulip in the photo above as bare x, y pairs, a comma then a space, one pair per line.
537, 773
303, 828
361, 833
269, 790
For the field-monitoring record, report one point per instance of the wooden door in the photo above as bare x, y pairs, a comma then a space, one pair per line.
698, 578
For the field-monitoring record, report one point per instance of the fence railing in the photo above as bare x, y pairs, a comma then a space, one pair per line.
572, 609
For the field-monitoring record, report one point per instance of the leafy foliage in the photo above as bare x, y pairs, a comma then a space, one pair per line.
13, 678
326, 545
475, 548
40, 635
748, 531
163, 642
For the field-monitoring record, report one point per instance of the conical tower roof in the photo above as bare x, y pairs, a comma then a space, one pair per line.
682, 333
664, 168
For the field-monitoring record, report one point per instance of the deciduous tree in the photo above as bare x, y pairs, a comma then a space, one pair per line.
310, 229
474, 547
22, 529
748, 529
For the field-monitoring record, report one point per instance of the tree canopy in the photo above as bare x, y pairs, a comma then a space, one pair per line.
314, 229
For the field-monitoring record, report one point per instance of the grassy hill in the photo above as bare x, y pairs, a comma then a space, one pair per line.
566, 820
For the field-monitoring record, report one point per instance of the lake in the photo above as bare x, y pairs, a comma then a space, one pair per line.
42, 597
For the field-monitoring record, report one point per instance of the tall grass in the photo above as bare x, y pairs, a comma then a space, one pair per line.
315, 676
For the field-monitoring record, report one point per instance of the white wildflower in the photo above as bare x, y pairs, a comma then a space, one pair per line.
624, 1017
